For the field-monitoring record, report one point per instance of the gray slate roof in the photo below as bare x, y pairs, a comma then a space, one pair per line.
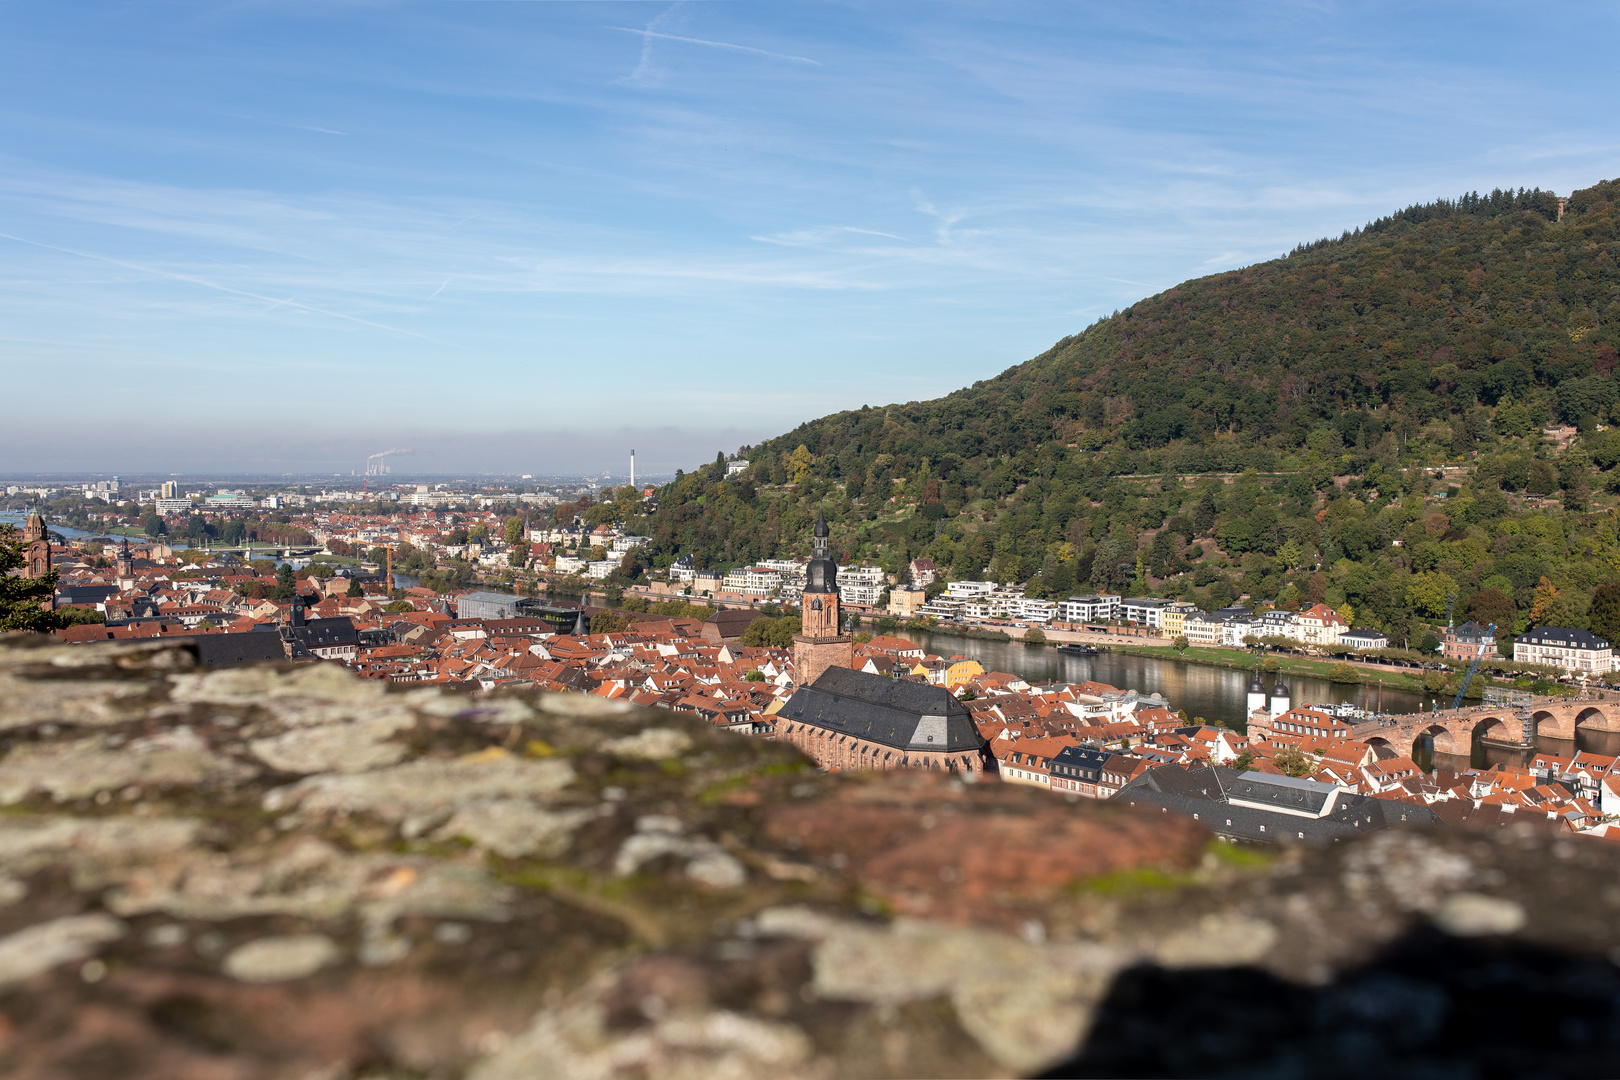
1202, 793
894, 712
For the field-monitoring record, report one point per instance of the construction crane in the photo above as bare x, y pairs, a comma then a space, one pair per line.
1490, 639
377, 464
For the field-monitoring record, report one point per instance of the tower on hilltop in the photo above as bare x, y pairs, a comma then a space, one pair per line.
821, 643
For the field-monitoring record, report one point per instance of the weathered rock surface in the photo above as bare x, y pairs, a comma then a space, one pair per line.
275, 872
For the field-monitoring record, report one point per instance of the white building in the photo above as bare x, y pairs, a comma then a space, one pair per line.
942, 607
1144, 611
1037, 611
229, 500
1238, 627
861, 584
1320, 625
762, 579
1093, 608
1576, 651
1202, 628
969, 590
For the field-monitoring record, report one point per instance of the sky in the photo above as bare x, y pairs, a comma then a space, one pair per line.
512, 236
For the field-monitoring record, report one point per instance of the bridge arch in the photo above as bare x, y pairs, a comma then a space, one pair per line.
1446, 741
1497, 728
1595, 718
1553, 725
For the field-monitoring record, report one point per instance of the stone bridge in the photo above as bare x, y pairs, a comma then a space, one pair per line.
1453, 729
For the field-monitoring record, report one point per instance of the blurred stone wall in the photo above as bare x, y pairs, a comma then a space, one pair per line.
288, 872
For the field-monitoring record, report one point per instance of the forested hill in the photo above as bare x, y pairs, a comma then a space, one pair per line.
1448, 334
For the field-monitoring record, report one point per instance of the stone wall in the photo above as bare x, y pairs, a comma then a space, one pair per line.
286, 872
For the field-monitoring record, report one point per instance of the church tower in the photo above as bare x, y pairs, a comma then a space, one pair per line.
821, 643
36, 547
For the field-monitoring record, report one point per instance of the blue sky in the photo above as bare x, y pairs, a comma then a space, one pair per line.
527, 236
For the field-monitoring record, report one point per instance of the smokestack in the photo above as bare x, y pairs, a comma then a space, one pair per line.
632, 468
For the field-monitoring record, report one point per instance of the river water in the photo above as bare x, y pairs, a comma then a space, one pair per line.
1210, 692
63, 530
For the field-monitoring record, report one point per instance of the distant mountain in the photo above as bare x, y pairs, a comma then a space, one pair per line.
1445, 330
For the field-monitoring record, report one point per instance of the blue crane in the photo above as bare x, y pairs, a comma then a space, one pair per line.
1490, 639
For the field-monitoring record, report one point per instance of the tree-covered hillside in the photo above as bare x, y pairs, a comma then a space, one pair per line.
1364, 421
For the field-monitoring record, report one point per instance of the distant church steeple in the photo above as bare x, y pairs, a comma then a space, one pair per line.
36, 547
820, 644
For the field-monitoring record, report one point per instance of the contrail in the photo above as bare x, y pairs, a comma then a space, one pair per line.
440, 289
718, 45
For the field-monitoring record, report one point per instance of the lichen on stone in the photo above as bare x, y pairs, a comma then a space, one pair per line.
287, 871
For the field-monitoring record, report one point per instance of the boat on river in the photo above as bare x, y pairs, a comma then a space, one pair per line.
1075, 648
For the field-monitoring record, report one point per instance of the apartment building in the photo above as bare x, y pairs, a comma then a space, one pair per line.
1092, 608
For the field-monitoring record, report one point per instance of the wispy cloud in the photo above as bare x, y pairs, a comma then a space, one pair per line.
192, 279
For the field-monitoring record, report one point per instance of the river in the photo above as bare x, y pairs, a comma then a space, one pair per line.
64, 531
1210, 692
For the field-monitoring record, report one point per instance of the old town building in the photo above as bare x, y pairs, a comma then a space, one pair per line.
850, 720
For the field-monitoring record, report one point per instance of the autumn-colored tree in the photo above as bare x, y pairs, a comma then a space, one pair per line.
1294, 762
1546, 596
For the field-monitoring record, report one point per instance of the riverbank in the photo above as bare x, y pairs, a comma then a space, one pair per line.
1243, 660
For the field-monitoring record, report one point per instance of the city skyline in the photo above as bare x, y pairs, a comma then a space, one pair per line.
281, 238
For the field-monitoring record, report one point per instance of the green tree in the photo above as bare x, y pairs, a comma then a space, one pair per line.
1429, 592
1034, 636
286, 586
354, 589
610, 622
776, 633
1293, 761
1343, 673
1603, 616
1180, 644
514, 529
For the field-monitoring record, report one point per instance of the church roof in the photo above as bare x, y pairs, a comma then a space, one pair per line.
893, 712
